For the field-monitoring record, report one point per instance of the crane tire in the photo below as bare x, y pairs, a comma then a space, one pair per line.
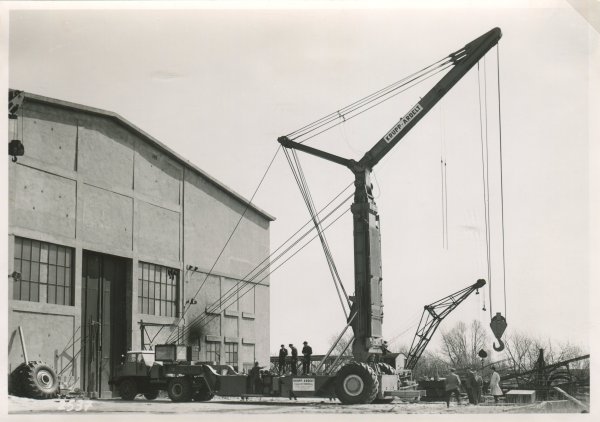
180, 389
386, 368
356, 383
128, 389
38, 381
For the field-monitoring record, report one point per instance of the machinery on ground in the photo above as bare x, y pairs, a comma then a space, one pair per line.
368, 377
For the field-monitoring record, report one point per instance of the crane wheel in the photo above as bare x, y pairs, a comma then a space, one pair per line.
356, 383
128, 389
180, 389
386, 368
36, 380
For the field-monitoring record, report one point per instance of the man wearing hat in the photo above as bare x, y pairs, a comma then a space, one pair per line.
307, 352
294, 361
282, 355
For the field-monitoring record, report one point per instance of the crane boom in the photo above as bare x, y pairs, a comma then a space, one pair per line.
432, 317
367, 299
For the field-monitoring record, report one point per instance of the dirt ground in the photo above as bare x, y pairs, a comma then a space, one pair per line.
255, 406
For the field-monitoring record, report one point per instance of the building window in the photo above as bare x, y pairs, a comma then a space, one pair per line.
157, 290
213, 352
43, 264
231, 354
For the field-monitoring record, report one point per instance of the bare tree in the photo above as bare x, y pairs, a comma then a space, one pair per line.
462, 343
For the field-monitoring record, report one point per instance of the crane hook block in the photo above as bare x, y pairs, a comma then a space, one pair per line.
498, 326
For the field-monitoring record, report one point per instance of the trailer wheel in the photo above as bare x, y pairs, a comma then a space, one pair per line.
38, 381
180, 389
128, 389
356, 383
151, 393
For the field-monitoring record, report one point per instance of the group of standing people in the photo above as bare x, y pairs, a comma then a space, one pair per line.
306, 355
474, 386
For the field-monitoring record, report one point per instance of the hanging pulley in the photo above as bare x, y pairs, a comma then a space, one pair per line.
498, 325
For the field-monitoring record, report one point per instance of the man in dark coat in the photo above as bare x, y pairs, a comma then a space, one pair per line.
254, 378
307, 352
294, 361
282, 355
452, 386
472, 387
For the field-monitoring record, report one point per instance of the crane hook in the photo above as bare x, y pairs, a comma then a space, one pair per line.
498, 325
500, 345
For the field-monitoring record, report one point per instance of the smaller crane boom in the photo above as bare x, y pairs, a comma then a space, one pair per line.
432, 316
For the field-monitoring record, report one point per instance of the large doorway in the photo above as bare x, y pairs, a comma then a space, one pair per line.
103, 320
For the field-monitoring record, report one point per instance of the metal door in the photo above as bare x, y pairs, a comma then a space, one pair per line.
103, 317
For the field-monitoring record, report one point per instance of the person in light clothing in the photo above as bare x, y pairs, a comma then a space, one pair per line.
495, 389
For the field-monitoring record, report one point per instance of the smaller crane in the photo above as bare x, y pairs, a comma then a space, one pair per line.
433, 315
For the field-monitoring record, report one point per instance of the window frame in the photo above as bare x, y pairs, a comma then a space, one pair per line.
158, 290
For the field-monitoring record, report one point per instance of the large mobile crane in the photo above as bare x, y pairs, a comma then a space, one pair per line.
363, 380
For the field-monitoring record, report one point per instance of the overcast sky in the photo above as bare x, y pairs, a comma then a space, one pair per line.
219, 87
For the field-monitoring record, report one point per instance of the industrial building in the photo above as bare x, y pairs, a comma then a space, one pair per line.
112, 236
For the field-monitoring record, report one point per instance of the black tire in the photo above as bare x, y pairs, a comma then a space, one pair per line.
356, 383
203, 395
16, 381
128, 389
151, 393
38, 381
180, 389
386, 400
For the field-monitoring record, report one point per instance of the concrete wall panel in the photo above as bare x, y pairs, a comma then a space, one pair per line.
198, 321
105, 154
107, 218
230, 327
158, 231
44, 202
230, 293
207, 228
48, 338
262, 324
247, 298
157, 175
50, 135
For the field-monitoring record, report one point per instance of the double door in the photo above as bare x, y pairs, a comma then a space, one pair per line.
103, 320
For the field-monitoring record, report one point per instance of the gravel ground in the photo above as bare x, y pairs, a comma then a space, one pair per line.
255, 406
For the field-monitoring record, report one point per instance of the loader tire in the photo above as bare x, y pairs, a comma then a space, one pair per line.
180, 389
38, 381
356, 383
128, 389
16, 381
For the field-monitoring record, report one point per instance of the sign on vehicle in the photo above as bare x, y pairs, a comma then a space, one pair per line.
303, 384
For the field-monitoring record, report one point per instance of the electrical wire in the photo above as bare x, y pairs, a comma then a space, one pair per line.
248, 204
205, 318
